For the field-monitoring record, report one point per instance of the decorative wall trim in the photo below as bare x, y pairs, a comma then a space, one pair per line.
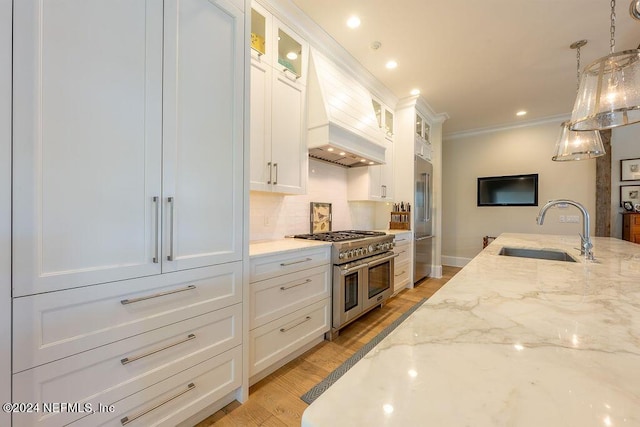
453, 261
480, 131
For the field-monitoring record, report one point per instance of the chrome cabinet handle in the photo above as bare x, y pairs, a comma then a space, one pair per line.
285, 264
384, 191
306, 319
127, 360
126, 420
400, 240
284, 288
400, 274
270, 172
172, 203
275, 166
294, 75
156, 258
159, 294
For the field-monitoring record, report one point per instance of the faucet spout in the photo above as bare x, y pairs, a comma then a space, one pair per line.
585, 240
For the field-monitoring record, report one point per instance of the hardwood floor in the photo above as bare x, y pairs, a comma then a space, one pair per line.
275, 401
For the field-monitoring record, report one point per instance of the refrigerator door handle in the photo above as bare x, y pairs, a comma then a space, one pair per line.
423, 238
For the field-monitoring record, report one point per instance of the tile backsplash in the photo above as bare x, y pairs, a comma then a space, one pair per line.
272, 216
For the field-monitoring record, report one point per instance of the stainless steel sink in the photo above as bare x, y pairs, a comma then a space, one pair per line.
549, 254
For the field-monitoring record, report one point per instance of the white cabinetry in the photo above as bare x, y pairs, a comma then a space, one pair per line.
422, 143
404, 262
375, 183
279, 60
128, 216
122, 172
290, 306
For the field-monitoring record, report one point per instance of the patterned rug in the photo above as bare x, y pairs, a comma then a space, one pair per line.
323, 385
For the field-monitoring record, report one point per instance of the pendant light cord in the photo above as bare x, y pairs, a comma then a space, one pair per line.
577, 68
612, 43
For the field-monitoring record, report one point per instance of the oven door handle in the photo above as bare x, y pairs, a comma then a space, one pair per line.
344, 272
381, 260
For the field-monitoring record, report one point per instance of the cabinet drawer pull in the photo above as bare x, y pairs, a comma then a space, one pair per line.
156, 257
172, 203
306, 319
275, 166
159, 294
270, 172
126, 420
157, 350
284, 288
401, 273
400, 240
290, 74
285, 264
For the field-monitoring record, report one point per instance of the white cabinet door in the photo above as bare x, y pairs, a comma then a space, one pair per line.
203, 133
261, 171
87, 142
288, 143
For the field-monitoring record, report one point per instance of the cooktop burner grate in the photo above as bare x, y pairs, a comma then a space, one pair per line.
339, 236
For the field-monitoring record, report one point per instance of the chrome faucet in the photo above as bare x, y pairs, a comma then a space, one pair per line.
586, 244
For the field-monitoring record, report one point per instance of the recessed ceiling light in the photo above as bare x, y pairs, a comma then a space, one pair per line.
521, 113
370, 163
363, 160
391, 65
342, 153
415, 92
330, 149
292, 55
353, 22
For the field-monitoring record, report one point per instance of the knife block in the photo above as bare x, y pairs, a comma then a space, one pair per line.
400, 221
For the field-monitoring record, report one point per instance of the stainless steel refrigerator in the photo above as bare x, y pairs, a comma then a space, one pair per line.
422, 219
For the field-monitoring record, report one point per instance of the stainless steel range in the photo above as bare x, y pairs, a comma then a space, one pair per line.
363, 272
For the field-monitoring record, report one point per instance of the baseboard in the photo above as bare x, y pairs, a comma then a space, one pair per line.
453, 261
208, 411
436, 271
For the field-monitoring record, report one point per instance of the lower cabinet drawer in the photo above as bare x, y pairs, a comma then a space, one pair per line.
404, 253
110, 373
266, 267
177, 398
51, 326
273, 298
275, 340
401, 276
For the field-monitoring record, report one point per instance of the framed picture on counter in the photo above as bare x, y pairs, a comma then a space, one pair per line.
630, 193
630, 170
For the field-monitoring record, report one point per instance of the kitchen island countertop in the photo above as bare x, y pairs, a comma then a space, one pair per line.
507, 342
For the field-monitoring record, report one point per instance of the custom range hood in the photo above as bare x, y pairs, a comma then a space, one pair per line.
342, 124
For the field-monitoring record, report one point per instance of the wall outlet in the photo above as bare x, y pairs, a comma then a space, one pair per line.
563, 218
573, 218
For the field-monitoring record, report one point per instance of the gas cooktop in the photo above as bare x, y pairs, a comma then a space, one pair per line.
340, 236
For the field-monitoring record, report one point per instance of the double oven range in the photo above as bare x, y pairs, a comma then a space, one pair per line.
363, 272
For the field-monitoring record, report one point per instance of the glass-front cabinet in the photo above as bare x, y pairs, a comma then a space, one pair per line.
290, 53
422, 128
258, 32
384, 116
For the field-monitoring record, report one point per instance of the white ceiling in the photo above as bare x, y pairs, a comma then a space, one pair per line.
478, 61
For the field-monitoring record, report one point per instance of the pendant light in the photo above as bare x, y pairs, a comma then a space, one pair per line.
609, 94
577, 145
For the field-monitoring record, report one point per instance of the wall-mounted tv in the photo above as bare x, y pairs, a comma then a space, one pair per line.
513, 190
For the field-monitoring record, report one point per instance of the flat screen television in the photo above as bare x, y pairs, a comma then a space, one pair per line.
513, 190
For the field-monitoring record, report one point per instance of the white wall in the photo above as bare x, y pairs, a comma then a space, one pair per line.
273, 216
520, 150
5, 206
625, 144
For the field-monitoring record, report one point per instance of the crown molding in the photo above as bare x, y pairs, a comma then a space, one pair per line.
506, 126
419, 103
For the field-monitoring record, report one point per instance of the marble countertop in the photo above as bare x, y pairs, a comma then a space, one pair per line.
269, 247
507, 342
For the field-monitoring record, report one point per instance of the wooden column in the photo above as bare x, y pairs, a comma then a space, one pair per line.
603, 188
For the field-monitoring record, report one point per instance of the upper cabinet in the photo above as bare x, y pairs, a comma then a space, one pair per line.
375, 183
279, 60
422, 141
384, 115
128, 141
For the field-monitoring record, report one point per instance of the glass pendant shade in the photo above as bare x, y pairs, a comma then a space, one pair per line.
609, 93
574, 145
